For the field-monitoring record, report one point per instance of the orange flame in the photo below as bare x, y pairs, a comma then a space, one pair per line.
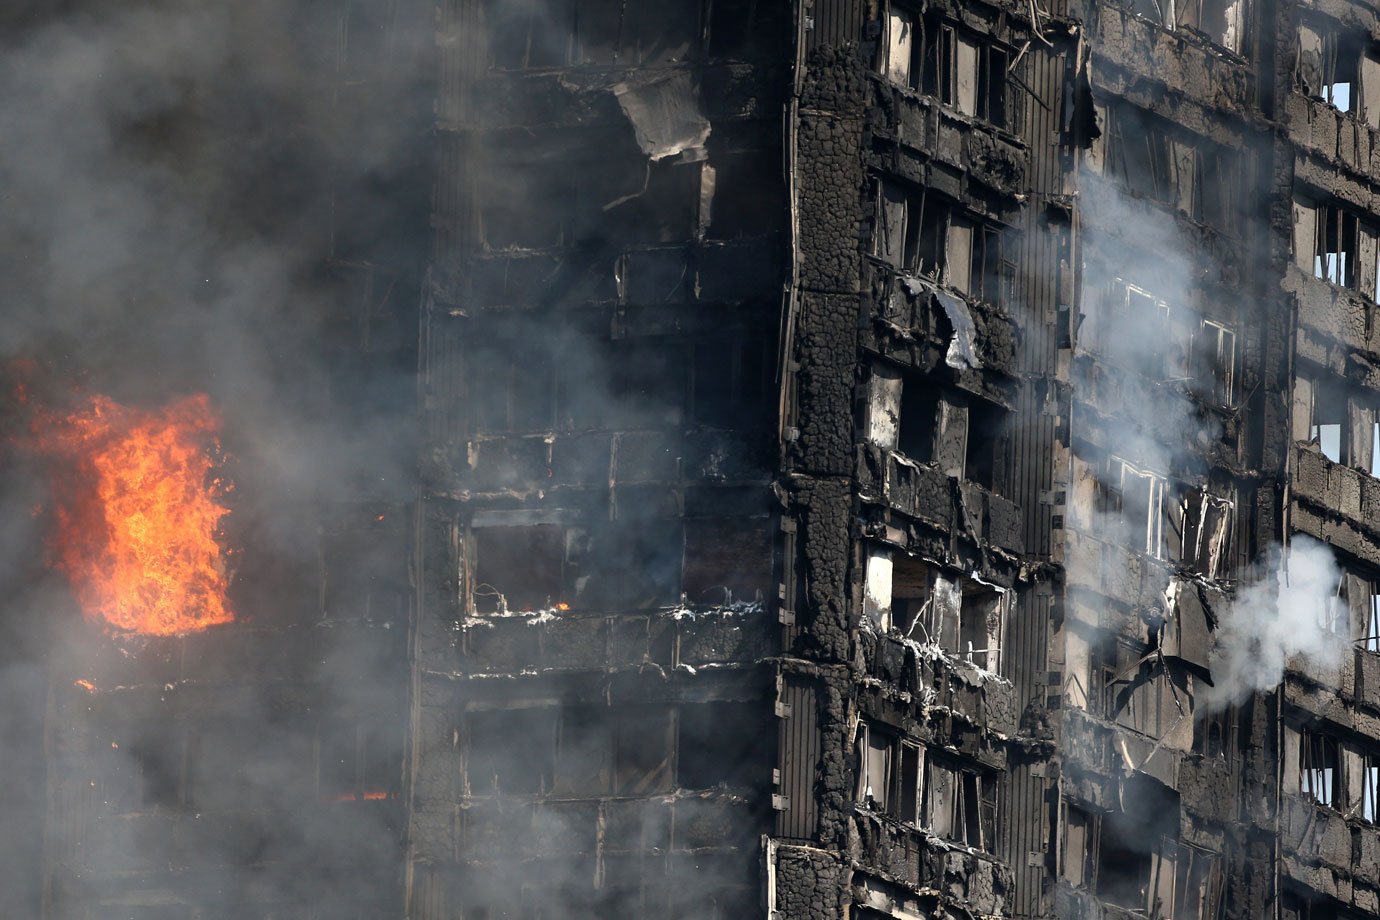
85, 685
138, 513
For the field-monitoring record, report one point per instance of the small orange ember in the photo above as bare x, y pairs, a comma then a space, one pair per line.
137, 508
85, 685
375, 795
562, 606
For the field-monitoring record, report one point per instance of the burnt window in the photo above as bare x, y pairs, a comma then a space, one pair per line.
987, 427
742, 27
960, 804
664, 208
364, 563
1371, 611
724, 744
1135, 497
890, 773
901, 45
518, 568
1224, 21
510, 751
727, 560
642, 744
1340, 421
601, 751
749, 195
1078, 846
911, 596
965, 71
156, 765
1333, 244
1319, 776
512, 386
916, 421
1205, 538
1330, 64
733, 385
1214, 732
526, 206
360, 759
1214, 363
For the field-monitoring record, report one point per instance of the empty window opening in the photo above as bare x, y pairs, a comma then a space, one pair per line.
987, 429
724, 744
360, 759
910, 593
1318, 774
1330, 65
959, 804
1327, 428
740, 26
980, 627
1137, 849
1214, 733
900, 47
727, 560
1333, 244
1214, 364
518, 568
919, 409
1370, 787
1079, 846
732, 385
510, 751
1207, 531
962, 70
1371, 638
749, 195
1136, 497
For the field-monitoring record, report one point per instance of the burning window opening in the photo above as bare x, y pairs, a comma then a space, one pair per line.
138, 503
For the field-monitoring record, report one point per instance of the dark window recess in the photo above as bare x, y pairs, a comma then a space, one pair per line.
663, 209
629, 564
911, 595
646, 386
925, 234
733, 384
1204, 532
584, 758
151, 767
749, 195
642, 750
725, 744
727, 559
513, 386
959, 804
360, 760
1319, 774
987, 428
528, 34
1079, 848
1299, 906
741, 27
365, 575
510, 751
919, 409
1129, 842
526, 206
518, 568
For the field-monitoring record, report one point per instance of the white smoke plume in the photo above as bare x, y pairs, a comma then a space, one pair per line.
1283, 614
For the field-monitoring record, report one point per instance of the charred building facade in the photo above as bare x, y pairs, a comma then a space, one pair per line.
853, 452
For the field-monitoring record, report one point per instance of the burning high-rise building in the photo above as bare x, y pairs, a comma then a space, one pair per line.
692, 459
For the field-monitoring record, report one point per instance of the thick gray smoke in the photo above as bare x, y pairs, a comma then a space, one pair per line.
224, 198
1293, 609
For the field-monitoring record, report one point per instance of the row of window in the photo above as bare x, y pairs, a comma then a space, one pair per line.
1138, 863
1343, 424
1333, 243
964, 436
172, 765
1190, 525
921, 232
577, 384
1339, 67
620, 565
1225, 22
526, 206
1129, 325
926, 789
1155, 159
1331, 772
588, 751
961, 616
935, 57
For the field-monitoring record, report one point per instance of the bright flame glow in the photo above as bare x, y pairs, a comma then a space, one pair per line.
138, 510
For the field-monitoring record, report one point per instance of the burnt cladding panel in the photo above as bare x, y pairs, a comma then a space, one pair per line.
837, 22
1025, 838
799, 752
1037, 299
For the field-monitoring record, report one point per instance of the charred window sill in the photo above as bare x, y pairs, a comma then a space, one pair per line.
922, 836
1333, 491
914, 98
1341, 138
